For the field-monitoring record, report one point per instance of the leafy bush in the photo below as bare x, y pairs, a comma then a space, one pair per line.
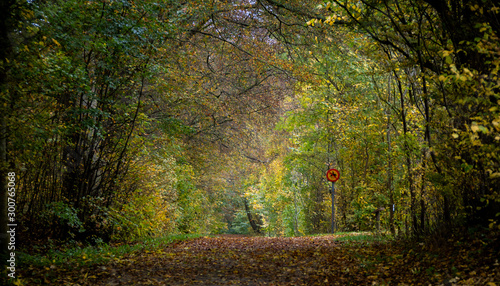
145, 215
65, 217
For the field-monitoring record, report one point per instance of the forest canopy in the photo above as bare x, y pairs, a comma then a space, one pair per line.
126, 119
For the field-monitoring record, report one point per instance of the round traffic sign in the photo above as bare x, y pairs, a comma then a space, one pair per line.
333, 175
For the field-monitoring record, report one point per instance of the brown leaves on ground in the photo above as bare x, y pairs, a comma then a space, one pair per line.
238, 260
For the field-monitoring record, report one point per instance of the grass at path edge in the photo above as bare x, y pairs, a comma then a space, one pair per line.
97, 254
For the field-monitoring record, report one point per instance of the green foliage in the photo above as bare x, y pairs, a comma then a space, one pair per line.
239, 224
196, 207
60, 214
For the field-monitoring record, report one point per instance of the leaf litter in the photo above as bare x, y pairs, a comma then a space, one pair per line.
321, 260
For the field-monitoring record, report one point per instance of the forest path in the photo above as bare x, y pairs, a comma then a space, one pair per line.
238, 260
320, 260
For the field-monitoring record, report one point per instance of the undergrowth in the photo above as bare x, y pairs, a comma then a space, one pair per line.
75, 254
359, 237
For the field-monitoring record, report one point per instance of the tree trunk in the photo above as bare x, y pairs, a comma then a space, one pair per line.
251, 219
296, 226
407, 152
389, 169
422, 197
377, 218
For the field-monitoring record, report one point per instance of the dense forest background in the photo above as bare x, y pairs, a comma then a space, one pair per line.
125, 119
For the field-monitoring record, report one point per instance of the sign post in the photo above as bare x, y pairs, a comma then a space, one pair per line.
333, 175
